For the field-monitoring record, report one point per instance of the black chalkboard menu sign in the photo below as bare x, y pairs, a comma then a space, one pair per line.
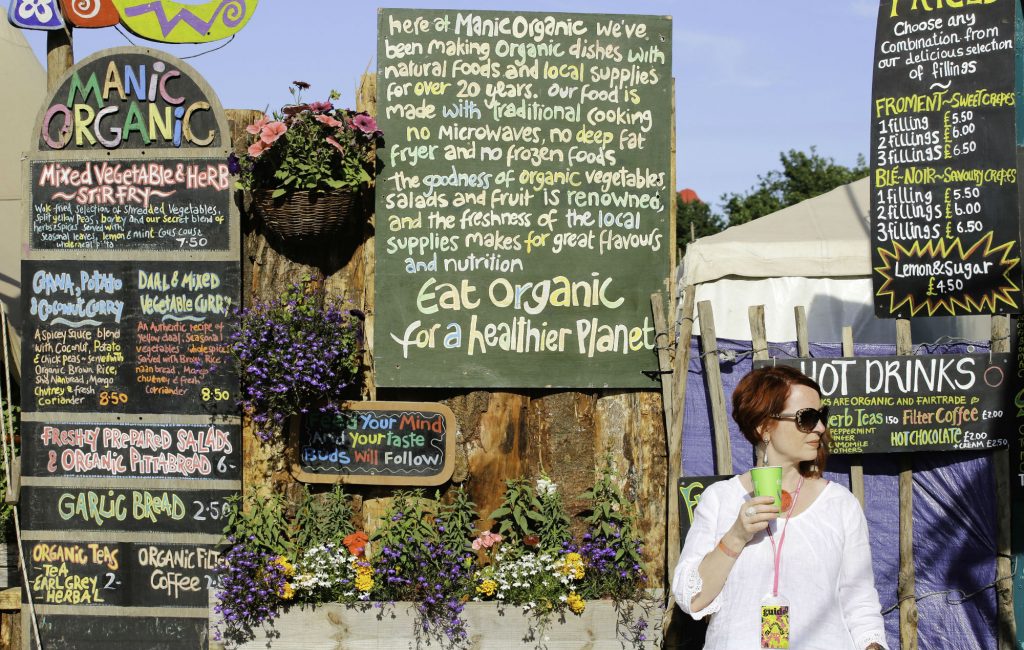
63, 572
131, 444
377, 443
122, 336
523, 204
920, 403
944, 214
170, 205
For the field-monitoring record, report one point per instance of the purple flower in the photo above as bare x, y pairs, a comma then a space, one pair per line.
234, 167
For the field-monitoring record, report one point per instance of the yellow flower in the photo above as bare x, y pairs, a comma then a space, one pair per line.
286, 566
287, 592
576, 604
573, 566
488, 587
364, 582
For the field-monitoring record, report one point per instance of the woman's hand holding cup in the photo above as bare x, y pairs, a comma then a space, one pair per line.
754, 517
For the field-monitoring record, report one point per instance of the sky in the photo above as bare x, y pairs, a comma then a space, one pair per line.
753, 79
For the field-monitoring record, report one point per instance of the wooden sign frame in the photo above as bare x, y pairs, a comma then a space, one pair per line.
292, 452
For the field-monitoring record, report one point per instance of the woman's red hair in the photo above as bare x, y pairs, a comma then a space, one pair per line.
762, 394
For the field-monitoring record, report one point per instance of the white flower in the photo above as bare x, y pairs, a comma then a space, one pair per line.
546, 487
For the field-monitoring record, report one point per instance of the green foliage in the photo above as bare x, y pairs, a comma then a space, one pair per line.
309, 147
322, 519
553, 525
519, 513
259, 518
803, 176
406, 523
699, 214
457, 519
12, 420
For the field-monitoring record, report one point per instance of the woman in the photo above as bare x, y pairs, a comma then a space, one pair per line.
742, 567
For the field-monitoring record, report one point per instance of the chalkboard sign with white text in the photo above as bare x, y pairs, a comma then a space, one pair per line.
382, 443
944, 214
919, 403
523, 205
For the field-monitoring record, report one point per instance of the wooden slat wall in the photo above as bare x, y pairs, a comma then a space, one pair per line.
856, 460
713, 377
905, 586
1006, 629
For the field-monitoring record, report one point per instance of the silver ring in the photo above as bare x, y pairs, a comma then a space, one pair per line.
750, 511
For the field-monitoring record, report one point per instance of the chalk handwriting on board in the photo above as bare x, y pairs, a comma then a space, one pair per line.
945, 237
393, 443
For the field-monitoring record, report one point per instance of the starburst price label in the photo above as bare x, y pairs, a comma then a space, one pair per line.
944, 216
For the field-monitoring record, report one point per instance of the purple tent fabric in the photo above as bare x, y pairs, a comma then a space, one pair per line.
954, 507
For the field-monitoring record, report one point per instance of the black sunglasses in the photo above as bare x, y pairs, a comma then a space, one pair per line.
806, 419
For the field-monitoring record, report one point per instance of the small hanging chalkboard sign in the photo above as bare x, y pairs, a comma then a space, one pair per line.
375, 443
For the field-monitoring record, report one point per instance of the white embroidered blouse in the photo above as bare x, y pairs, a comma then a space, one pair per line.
825, 574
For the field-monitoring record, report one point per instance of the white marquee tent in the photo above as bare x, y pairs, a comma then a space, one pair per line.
24, 87
815, 254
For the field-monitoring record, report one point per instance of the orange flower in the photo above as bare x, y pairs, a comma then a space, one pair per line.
356, 543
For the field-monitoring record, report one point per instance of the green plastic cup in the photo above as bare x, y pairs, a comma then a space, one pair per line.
768, 483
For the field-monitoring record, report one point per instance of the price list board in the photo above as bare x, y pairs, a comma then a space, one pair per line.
524, 199
131, 445
944, 179
920, 403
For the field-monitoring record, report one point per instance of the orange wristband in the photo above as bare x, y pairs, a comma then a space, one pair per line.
725, 549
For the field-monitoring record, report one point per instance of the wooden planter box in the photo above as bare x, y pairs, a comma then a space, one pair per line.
490, 627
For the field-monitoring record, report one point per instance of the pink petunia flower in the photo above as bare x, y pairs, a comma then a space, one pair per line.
321, 107
258, 125
364, 123
486, 539
258, 147
329, 121
272, 131
334, 143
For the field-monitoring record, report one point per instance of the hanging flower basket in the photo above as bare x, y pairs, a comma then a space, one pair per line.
305, 215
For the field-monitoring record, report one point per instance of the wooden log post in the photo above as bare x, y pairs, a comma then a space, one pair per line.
758, 333
1006, 629
856, 460
674, 435
905, 587
713, 377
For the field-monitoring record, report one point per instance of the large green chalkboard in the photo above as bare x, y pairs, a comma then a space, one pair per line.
522, 211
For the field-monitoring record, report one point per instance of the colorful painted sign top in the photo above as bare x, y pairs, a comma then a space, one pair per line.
156, 20
129, 99
90, 13
35, 14
173, 22
944, 214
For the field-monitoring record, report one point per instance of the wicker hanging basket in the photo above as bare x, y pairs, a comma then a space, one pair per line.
305, 215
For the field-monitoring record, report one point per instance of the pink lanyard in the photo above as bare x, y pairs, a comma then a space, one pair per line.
777, 552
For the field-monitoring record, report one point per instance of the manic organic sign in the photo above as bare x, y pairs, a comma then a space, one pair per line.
919, 403
129, 277
129, 99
